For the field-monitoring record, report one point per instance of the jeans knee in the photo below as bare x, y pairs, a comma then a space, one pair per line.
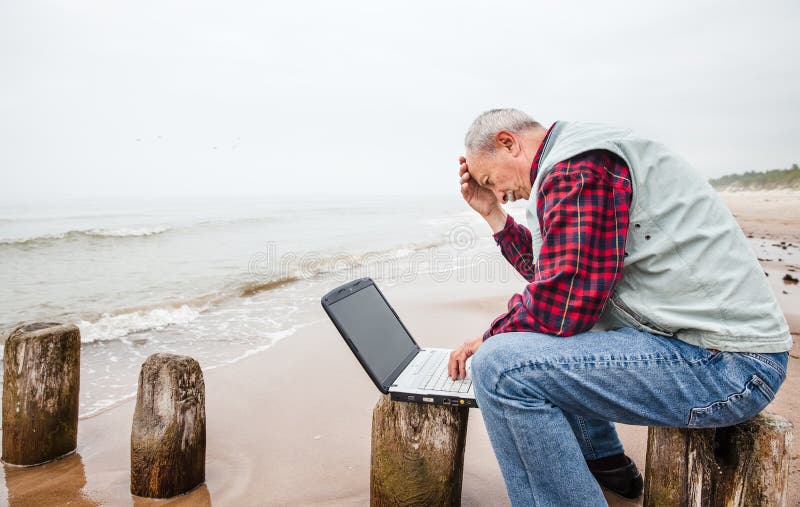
489, 362
502, 354
479, 366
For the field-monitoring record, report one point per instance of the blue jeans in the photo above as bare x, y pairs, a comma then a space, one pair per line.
537, 393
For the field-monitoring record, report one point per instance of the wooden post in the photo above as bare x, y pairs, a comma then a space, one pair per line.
417, 454
737, 466
41, 379
168, 437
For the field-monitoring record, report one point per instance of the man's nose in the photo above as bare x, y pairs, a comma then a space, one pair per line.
501, 196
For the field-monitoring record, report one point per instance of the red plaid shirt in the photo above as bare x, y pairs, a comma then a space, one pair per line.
583, 209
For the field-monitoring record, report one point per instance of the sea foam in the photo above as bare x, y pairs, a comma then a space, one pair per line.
125, 232
114, 327
121, 232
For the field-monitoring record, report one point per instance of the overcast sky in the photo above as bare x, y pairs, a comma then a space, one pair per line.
158, 97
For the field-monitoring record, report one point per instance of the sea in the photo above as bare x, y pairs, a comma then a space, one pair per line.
215, 278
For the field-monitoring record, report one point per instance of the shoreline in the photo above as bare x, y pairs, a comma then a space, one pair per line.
275, 437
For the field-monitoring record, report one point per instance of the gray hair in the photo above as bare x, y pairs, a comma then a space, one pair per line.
482, 132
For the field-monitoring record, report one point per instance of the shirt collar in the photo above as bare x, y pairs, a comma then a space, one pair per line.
538, 156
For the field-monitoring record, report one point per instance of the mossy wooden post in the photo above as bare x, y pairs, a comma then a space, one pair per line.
168, 437
746, 465
41, 379
417, 454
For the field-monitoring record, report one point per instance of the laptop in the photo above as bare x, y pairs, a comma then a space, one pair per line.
388, 353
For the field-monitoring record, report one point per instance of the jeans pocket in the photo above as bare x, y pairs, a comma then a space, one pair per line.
736, 408
771, 360
629, 318
706, 356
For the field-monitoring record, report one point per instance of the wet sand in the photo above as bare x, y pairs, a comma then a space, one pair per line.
291, 425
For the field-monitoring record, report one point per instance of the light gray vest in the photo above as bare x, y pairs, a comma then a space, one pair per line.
689, 272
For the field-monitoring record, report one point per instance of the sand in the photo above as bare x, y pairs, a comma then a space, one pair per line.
291, 425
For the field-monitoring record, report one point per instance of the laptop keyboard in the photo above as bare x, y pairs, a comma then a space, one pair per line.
435, 377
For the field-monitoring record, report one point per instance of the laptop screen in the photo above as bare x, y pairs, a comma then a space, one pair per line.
367, 320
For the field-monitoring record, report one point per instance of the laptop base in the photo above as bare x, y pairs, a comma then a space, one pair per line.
434, 399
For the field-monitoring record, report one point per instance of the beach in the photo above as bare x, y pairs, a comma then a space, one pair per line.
288, 419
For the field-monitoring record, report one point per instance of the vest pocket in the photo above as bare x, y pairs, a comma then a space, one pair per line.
736, 408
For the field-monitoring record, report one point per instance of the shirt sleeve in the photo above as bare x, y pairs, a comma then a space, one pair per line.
515, 245
583, 208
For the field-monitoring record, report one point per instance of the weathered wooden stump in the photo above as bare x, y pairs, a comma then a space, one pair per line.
168, 438
746, 465
417, 454
41, 379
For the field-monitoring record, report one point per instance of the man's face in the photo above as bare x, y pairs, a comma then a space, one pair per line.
498, 172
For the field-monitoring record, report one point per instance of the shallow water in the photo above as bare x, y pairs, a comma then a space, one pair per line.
214, 278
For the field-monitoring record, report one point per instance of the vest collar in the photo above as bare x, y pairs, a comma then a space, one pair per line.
543, 147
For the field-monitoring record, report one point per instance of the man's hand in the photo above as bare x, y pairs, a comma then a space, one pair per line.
457, 368
481, 199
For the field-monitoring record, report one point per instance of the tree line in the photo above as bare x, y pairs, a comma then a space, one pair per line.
760, 180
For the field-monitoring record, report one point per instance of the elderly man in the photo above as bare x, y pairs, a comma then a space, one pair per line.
644, 305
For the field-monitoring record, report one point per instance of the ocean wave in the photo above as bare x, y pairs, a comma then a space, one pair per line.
267, 275
274, 338
103, 405
118, 326
336, 262
133, 320
126, 232
121, 323
253, 288
121, 232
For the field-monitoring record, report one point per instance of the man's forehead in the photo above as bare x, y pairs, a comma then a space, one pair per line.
476, 161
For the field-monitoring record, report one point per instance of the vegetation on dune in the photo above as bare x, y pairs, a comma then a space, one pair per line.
760, 180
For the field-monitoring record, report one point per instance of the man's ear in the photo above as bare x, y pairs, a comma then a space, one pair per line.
506, 141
